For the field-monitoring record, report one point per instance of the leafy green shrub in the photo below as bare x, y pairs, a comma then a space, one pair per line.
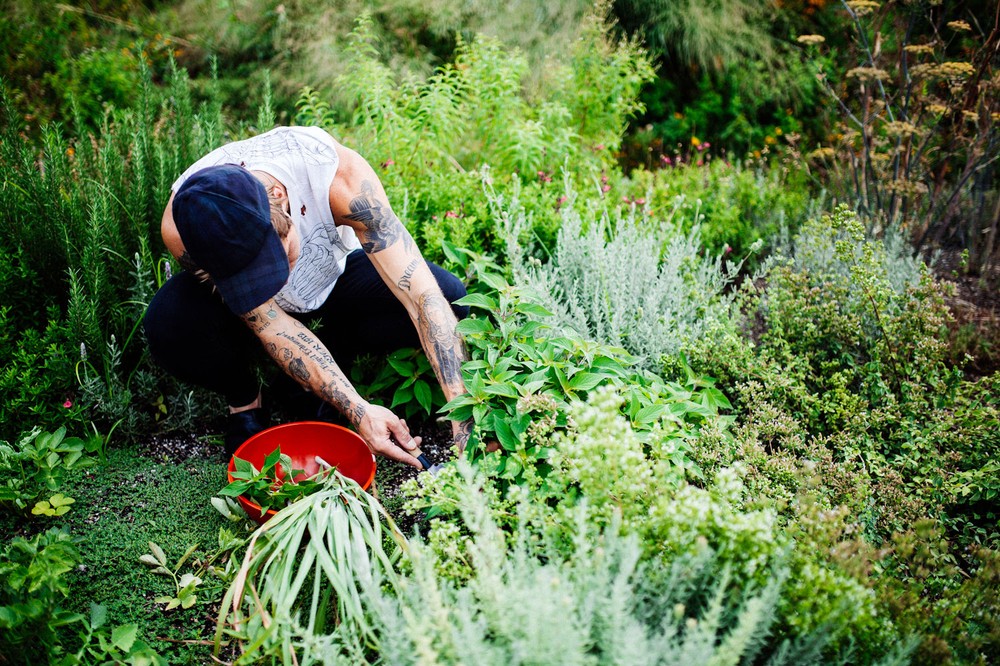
404, 380
519, 396
734, 204
83, 215
35, 625
630, 483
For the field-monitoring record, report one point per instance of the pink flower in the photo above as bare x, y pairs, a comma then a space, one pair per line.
388, 163
606, 188
68, 403
451, 213
701, 162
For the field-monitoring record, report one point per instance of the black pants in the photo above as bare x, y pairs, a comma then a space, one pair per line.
197, 339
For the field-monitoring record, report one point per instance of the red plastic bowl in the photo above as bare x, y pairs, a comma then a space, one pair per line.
302, 441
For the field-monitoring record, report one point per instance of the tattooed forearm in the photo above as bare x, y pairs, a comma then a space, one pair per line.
297, 369
462, 431
334, 395
404, 282
306, 359
444, 348
382, 227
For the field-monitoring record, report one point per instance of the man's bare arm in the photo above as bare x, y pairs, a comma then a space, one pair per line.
401, 265
307, 360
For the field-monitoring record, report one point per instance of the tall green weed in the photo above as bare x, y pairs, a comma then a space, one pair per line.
430, 139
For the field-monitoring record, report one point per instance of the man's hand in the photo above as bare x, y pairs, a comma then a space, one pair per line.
387, 435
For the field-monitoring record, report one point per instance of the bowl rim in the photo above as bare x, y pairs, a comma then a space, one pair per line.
270, 512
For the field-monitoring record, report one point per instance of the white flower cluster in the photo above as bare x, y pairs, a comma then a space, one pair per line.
603, 454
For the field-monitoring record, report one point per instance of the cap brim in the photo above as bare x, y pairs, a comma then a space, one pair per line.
258, 281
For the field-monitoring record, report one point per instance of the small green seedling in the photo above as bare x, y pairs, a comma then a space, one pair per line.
185, 587
56, 505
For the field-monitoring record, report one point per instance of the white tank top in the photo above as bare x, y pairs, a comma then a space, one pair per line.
305, 160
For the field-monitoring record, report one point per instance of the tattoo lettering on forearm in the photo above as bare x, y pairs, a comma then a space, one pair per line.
445, 348
382, 227
404, 282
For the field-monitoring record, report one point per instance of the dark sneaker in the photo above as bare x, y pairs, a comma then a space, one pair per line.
240, 427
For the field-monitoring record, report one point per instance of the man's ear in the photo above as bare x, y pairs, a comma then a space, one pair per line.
281, 194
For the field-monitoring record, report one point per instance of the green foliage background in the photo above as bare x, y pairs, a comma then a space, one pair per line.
723, 402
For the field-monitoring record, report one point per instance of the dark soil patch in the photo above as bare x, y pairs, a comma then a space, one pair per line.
976, 308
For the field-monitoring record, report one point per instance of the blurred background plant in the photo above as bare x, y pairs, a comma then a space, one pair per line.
919, 104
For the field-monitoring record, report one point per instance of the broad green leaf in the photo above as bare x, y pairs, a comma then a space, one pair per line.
532, 309
272, 459
158, 553
404, 368
235, 489
402, 396
422, 392
508, 440
585, 381
650, 413
59, 499
124, 636
244, 467
479, 301
188, 553
495, 281
98, 615
474, 326
149, 560
505, 390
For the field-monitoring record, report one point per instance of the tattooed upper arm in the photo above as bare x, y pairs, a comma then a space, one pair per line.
377, 226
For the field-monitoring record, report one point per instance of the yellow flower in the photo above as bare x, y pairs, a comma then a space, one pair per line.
778, 131
868, 74
971, 116
70, 152
770, 140
862, 7
810, 39
901, 129
937, 109
959, 26
821, 154
919, 49
695, 141
954, 69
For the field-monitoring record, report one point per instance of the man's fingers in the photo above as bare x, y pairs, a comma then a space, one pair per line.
402, 435
396, 453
